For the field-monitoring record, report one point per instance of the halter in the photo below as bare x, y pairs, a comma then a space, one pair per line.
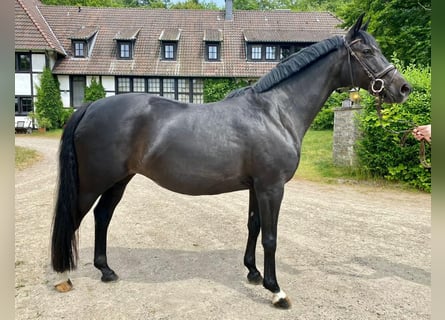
377, 83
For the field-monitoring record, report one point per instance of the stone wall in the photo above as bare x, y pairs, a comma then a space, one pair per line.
346, 133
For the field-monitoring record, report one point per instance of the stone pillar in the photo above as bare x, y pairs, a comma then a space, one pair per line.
346, 133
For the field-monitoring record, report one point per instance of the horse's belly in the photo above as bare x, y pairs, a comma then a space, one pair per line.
197, 183
197, 175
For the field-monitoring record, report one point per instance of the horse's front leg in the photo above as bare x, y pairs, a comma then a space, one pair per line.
253, 225
269, 201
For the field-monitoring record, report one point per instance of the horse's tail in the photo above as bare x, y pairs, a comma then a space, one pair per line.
66, 216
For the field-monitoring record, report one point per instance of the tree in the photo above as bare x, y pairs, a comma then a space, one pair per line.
401, 27
49, 106
94, 91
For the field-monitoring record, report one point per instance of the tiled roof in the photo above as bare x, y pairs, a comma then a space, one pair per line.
266, 35
32, 31
84, 32
190, 27
212, 35
127, 34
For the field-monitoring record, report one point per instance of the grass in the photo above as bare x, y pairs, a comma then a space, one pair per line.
316, 164
25, 157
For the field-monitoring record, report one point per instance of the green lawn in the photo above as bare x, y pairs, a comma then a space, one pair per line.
316, 162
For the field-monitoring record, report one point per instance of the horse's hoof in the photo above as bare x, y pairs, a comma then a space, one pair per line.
64, 286
255, 278
109, 277
281, 301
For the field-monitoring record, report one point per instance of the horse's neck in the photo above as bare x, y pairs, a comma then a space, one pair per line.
302, 96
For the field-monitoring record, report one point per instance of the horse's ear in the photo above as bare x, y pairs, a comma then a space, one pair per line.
365, 26
355, 28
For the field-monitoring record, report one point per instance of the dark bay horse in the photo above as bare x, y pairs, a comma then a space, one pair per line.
250, 140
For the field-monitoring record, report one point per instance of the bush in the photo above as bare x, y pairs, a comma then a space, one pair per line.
216, 89
65, 115
94, 91
381, 150
49, 102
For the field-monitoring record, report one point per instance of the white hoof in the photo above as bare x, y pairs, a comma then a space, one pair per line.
280, 300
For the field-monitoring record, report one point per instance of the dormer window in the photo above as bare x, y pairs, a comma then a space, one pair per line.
169, 39
80, 49
212, 39
125, 40
125, 50
83, 41
169, 51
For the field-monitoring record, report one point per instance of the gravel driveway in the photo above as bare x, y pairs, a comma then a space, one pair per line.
344, 252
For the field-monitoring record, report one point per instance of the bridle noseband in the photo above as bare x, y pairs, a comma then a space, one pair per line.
377, 83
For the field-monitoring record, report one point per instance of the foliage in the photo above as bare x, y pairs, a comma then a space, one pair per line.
400, 26
94, 91
325, 118
49, 106
65, 115
380, 150
217, 88
194, 4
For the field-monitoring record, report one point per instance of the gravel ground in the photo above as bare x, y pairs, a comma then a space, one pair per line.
344, 252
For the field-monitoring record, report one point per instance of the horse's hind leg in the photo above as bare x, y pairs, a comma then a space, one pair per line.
103, 213
253, 225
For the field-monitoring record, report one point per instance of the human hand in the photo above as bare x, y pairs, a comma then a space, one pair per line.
422, 132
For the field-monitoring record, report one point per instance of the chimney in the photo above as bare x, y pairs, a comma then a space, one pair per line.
229, 9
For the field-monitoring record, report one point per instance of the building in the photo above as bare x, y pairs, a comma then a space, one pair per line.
160, 51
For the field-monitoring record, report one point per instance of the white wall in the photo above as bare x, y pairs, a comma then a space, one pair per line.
38, 62
108, 83
22, 84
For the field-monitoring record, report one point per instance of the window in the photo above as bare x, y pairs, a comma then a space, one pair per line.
154, 86
80, 49
125, 50
212, 51
285, 52
256, 52
169, 51
139, 85
168, 88
78, 84
123, 85
23, 105
23, 62
184, 90
197, 89
271, 52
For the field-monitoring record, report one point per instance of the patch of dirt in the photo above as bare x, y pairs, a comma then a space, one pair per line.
344, 252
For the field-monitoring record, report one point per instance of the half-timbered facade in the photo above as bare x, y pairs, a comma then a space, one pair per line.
160, 51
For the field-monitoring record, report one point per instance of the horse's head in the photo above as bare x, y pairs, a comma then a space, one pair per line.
370, 70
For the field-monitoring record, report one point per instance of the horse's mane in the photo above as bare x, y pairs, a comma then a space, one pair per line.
291, 65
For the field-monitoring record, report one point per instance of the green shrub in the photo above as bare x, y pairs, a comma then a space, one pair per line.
65, 115
94, 91
49, 102
382, 150
216, 89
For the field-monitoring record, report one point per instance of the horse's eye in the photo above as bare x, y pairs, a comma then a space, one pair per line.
367, 51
